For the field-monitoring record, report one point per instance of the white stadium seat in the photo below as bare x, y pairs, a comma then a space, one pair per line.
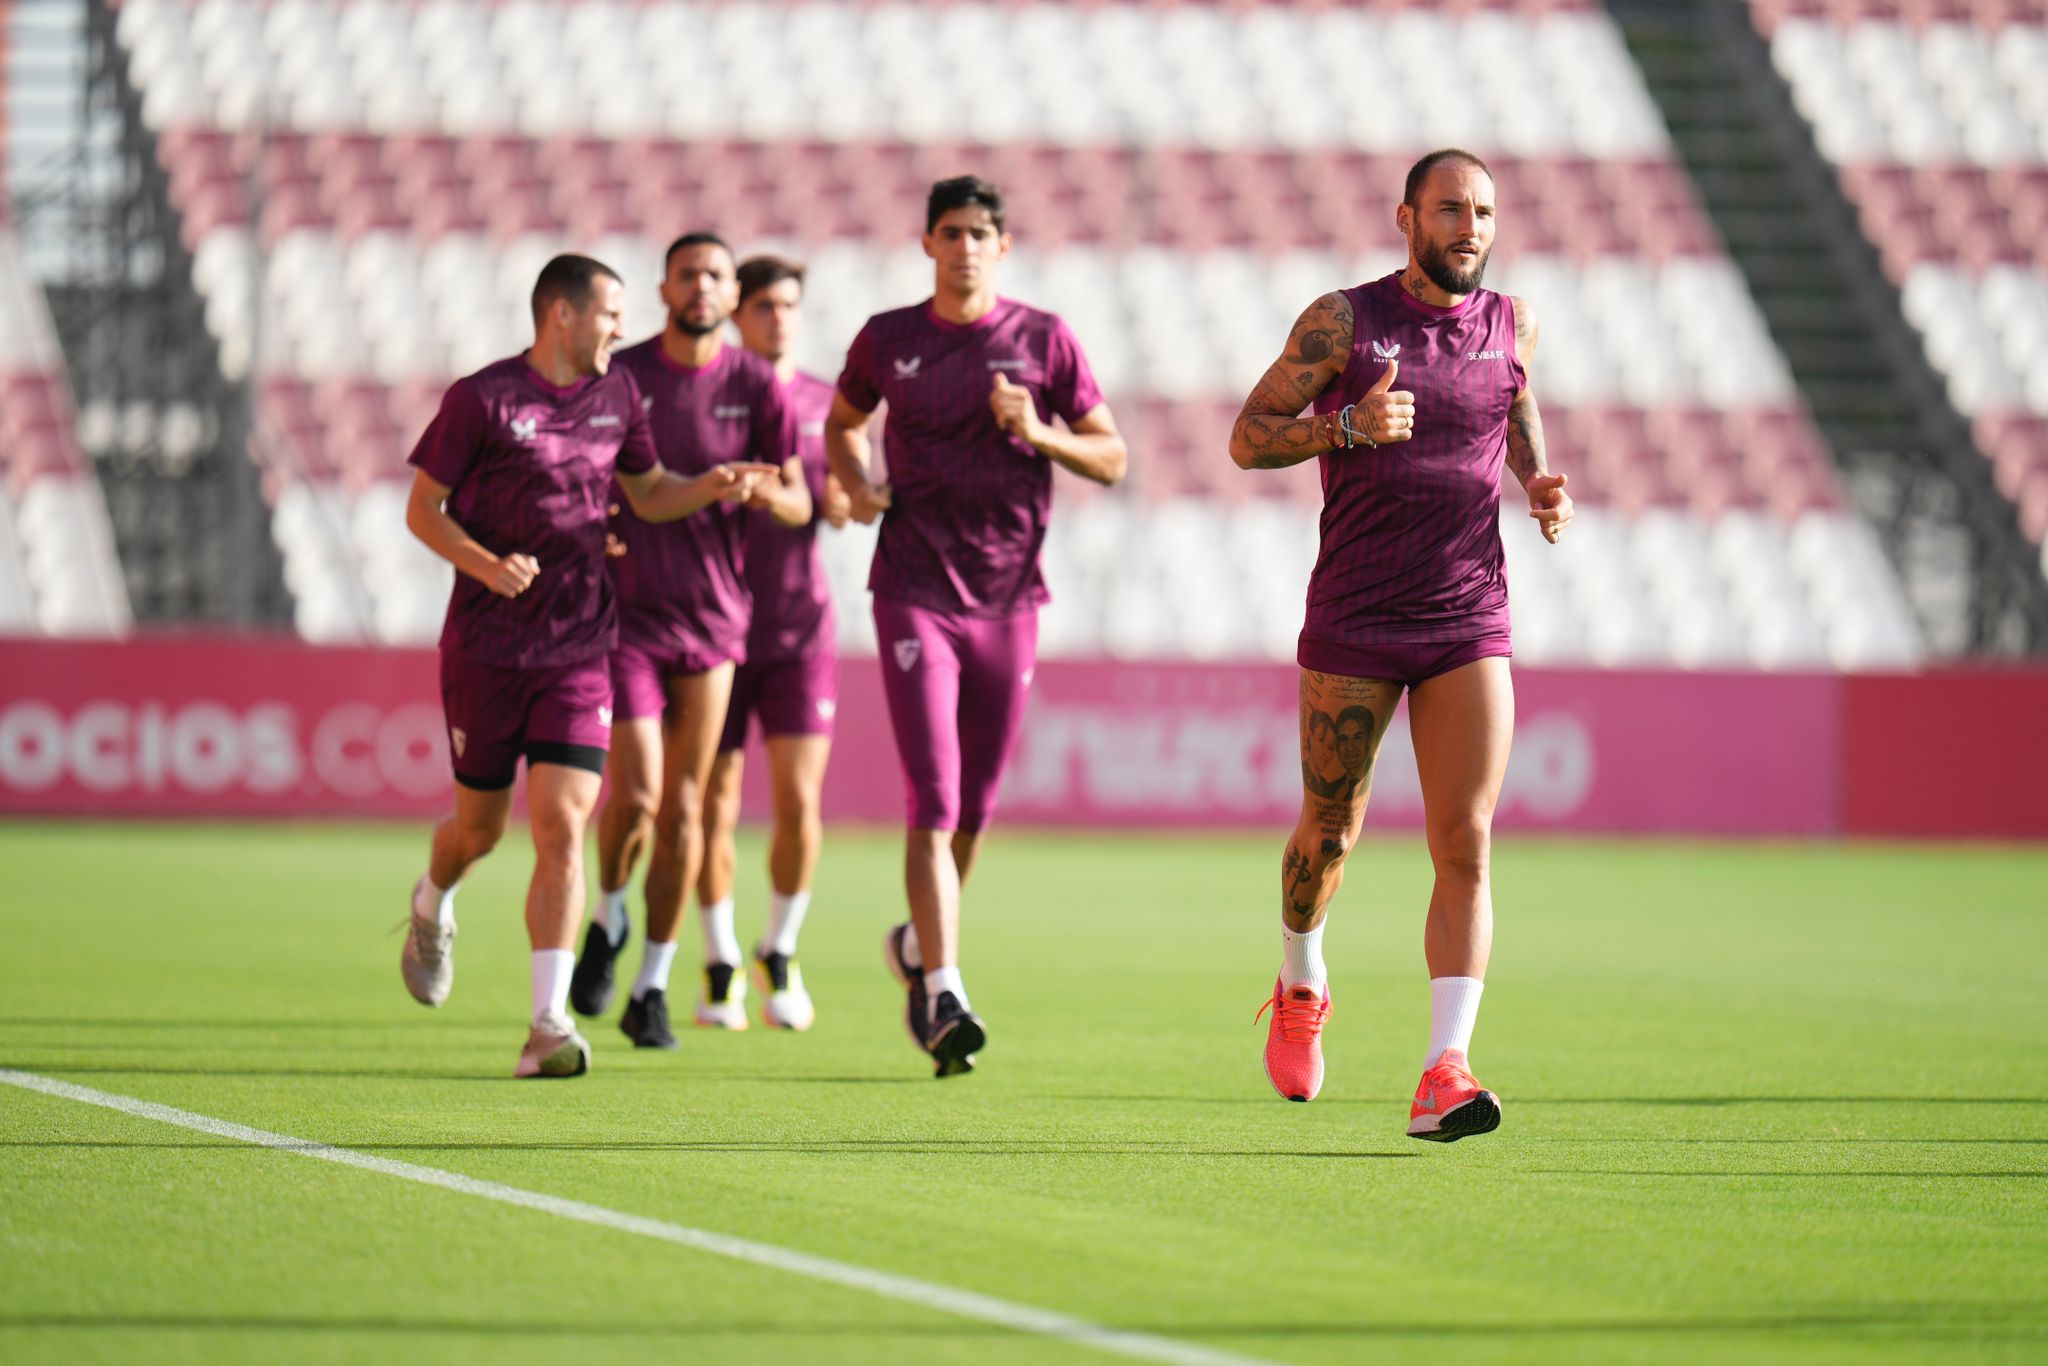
1163, 323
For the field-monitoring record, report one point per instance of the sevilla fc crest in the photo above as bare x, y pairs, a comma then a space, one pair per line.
906, 654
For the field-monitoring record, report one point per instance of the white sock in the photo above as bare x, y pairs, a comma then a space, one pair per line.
439, 902
944, 979
911, 955
613, 916
655, 960
1453, 1010
551, 969
721, 945
1301, 958
785, 918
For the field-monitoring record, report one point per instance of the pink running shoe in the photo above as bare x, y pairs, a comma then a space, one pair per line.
1449, 1104
1294, 1040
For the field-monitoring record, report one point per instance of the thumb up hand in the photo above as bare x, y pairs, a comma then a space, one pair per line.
1389, 413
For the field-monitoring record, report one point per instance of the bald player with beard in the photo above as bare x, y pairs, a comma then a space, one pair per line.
1419, 388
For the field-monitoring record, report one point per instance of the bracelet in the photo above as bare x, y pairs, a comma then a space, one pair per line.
1352, 435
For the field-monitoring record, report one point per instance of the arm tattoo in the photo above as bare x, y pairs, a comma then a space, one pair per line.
1525, 329
1525, 425
1270, 428
1525, 439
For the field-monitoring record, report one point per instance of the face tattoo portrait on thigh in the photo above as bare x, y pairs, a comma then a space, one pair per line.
1336, 751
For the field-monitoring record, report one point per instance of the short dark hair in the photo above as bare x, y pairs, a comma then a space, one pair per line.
963, 192
759, 272
1419, 172
573, 278
694, 239
1356, 713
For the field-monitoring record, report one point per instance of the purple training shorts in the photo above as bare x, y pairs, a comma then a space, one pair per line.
1403, 662
640, 675
561, 715
794, 696
956, 687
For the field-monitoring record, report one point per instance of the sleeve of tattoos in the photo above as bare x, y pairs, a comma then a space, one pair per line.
1271, 432
1525, 424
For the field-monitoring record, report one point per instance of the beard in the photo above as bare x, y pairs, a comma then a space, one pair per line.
683, 324
1436, 264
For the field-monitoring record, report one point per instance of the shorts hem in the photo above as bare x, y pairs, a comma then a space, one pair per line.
1407, 662
589, 758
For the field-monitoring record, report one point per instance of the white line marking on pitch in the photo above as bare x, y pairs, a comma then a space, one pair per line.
965, 1303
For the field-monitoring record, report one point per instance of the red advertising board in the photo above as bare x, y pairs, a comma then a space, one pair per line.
238, 726
1956, 752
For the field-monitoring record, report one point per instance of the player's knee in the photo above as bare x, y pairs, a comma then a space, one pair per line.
480, 837
678, 823
1326, 851
1312, 847
794, 810
557, 836
638, 798
1462, 848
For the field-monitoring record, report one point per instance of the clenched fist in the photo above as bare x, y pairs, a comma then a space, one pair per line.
513, 575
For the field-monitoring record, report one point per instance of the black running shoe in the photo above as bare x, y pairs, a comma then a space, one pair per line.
645, 1021
916, 1014
590, 985
956, 1036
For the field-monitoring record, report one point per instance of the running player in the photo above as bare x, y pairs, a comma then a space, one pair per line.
682, 630
973, 382
510, 486
1409, 594
791, 675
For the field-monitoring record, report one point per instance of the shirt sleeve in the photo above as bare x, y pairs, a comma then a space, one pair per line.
636, 453
449, 447
1070, 387
858, 382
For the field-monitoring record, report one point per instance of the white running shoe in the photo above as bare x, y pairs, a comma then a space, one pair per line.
553, 1049
788, 1005
428, 959
724, 1002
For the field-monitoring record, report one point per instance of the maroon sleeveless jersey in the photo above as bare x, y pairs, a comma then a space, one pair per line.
1411, 548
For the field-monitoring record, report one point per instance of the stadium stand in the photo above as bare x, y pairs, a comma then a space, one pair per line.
1937, 117
58, 570
367, 190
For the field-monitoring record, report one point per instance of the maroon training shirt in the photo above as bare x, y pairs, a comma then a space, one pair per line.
1411, 546
529, 466
970, 501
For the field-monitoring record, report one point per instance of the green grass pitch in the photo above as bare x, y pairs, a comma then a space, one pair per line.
1763, 1102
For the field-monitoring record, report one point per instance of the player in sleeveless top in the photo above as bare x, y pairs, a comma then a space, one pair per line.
1419, 390
790, 679
683, 612
973, 381
511, 484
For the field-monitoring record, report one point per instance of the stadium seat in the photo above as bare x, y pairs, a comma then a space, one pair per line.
409, 200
